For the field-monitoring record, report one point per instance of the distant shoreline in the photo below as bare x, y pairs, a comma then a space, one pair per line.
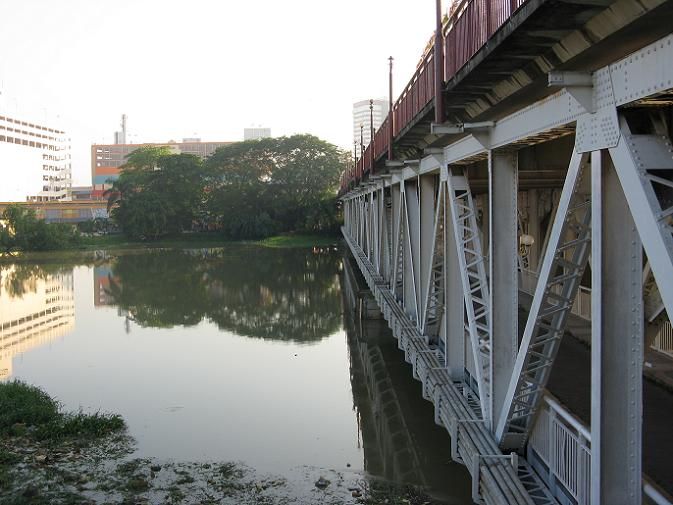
119, 242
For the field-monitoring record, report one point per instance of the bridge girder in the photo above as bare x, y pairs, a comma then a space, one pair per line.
642, 169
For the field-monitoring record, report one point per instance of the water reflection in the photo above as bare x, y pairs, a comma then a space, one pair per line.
36, 307
400, 440
256, 292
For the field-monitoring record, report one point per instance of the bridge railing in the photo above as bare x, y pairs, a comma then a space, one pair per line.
469, 26
559, 450
663, 342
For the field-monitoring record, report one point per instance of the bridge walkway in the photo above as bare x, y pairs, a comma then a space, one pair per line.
570, 382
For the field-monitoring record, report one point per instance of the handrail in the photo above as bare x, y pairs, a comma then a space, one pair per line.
465, 31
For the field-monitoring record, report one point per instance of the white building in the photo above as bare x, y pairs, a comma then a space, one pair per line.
35, 161
256, 133
361, 117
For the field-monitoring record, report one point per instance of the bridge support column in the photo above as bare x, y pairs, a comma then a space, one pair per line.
503, 253
427, 193
412, 262
616, 343
396, 195
454, 315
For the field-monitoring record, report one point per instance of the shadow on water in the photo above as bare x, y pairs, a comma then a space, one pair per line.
401, 442
290, 295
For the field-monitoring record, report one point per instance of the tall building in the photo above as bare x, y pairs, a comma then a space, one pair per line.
361, 117
256, 133
35, 162
107, 158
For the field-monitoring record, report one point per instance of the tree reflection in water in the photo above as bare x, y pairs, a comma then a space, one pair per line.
280, 294
19, 279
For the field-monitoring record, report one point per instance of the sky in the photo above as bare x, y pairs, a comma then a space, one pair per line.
203, 68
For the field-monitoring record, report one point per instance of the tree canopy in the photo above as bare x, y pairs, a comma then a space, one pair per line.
249, 189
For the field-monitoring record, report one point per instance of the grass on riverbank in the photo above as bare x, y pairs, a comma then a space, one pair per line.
119, 242
27, 411
292, 240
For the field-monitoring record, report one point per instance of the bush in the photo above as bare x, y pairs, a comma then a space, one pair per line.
25, 232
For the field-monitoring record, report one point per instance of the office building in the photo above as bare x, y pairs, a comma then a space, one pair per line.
106, 159
35, 161
361, 117
256, 133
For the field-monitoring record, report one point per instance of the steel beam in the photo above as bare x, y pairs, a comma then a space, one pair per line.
616, 343
503, 253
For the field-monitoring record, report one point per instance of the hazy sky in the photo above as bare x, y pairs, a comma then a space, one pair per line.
203, 68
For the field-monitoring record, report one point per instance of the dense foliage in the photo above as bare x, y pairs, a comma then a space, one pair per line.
23, 231
249, 189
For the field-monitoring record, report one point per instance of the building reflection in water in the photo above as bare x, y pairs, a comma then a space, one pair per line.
37, 306
400, 440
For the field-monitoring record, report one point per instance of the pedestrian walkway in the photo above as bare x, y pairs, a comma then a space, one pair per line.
570, 382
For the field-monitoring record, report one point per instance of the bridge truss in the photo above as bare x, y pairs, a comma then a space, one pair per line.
443, 261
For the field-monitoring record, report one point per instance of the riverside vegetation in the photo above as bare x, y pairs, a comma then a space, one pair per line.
51, 457
248, 190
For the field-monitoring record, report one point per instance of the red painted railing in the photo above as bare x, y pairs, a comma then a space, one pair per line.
470, 24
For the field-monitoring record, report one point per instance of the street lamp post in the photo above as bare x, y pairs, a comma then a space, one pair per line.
371, 134
362, 141
438, 57
390, 109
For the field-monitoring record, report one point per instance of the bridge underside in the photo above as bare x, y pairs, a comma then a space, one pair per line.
566, 195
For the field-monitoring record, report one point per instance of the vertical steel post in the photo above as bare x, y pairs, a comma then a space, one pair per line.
616, 342
439, 65
427, 221
371, 134
454, 315
390, 109
503, 252
412, 247
355, 153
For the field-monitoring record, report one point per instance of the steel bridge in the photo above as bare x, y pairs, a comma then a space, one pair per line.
523, 181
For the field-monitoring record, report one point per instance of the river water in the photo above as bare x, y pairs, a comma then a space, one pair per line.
240, 354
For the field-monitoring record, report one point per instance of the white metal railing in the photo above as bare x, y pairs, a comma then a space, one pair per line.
663, 342
563, 443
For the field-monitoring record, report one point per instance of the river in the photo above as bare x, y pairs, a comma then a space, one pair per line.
241, 353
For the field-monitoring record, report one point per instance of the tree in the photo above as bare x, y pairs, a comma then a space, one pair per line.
157, 193
263, 186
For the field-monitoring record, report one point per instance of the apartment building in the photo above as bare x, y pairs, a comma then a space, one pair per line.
106, 159
35, 161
